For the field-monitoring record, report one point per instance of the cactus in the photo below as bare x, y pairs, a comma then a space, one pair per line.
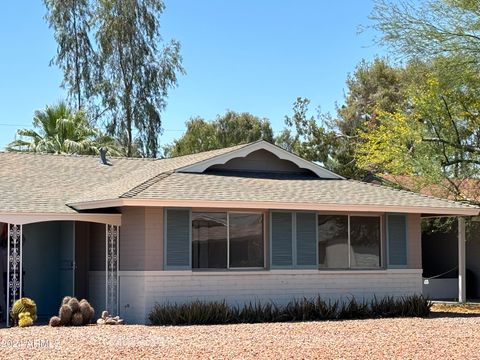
73, 312
77, 319
87, 311
65, 314
74, 304
65, 300
54, 321
24, 319
24, 305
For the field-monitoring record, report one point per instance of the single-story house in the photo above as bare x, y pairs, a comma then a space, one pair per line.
251, 222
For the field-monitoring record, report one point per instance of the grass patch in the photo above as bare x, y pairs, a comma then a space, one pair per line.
305, 309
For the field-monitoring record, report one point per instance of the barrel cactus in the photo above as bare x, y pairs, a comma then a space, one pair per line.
24, 305
74, 304
65, 314
77, 319
87, 312
73, 312
25, 319
54, 321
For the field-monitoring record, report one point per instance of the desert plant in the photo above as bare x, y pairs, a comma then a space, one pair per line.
54, 321
73, 312
87, 311
77, 319
74, 304
354, 310
66, 299
23, 305
24, 319
65, 314
201, 313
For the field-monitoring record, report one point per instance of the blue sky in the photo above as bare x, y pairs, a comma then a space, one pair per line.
242, 55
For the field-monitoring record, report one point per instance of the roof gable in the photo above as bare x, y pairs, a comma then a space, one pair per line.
243, 152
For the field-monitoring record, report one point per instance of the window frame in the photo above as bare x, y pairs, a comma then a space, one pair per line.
381, 218
228, 268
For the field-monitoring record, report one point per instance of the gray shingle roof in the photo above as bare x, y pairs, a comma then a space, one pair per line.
185, 186
36, 183
45, 183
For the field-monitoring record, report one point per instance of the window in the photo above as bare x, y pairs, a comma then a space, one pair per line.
365, 241
227, 240
246, 240
209, 240
346, 241
333, 241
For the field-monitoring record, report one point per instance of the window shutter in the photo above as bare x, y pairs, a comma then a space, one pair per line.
177, 239
306, 229
281, 239
397, 240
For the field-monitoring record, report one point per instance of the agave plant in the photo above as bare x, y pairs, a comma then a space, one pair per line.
59, 130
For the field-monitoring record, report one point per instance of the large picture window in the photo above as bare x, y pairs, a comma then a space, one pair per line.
227, 240
209, 240
346, 241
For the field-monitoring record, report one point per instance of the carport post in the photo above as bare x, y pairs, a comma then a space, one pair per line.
462, 284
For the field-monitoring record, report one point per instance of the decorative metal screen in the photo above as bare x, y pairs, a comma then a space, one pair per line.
112, 237
14, 266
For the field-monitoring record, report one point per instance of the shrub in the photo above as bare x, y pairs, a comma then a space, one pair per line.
205, 313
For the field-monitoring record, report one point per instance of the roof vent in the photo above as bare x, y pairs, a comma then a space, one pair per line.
103, 156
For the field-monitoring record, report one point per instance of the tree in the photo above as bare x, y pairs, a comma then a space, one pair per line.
137, 72
113, 60
71, 21
373, 87
430, 28
439, 139
58, 130
230, 129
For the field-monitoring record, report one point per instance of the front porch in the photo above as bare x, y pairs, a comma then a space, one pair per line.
47, 259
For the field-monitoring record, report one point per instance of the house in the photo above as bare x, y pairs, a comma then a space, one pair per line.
251, 222
439, 248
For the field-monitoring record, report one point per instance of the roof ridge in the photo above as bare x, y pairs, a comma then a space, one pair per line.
145, 185
74, 155
212, 150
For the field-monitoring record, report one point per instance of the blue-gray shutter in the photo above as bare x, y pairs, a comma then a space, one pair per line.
281, 238
397, 240
177, 239
306, 229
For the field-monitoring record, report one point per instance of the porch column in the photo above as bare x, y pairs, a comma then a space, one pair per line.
462, 285
14, 266
111, 268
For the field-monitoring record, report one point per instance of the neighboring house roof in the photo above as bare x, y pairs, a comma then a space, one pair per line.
457, 189
33, 183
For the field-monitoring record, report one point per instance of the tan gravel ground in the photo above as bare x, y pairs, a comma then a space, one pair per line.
439, 337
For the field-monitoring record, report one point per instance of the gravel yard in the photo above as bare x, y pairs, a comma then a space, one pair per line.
443, 336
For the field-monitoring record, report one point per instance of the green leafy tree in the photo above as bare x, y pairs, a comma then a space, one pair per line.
137, 72
116, 64
230, 129
71, 24
439, 139
373, 87
428, 29
58, 130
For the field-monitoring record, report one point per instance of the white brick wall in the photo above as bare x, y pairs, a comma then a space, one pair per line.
139, 291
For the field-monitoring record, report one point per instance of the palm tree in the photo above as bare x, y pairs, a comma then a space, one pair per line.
59, 130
